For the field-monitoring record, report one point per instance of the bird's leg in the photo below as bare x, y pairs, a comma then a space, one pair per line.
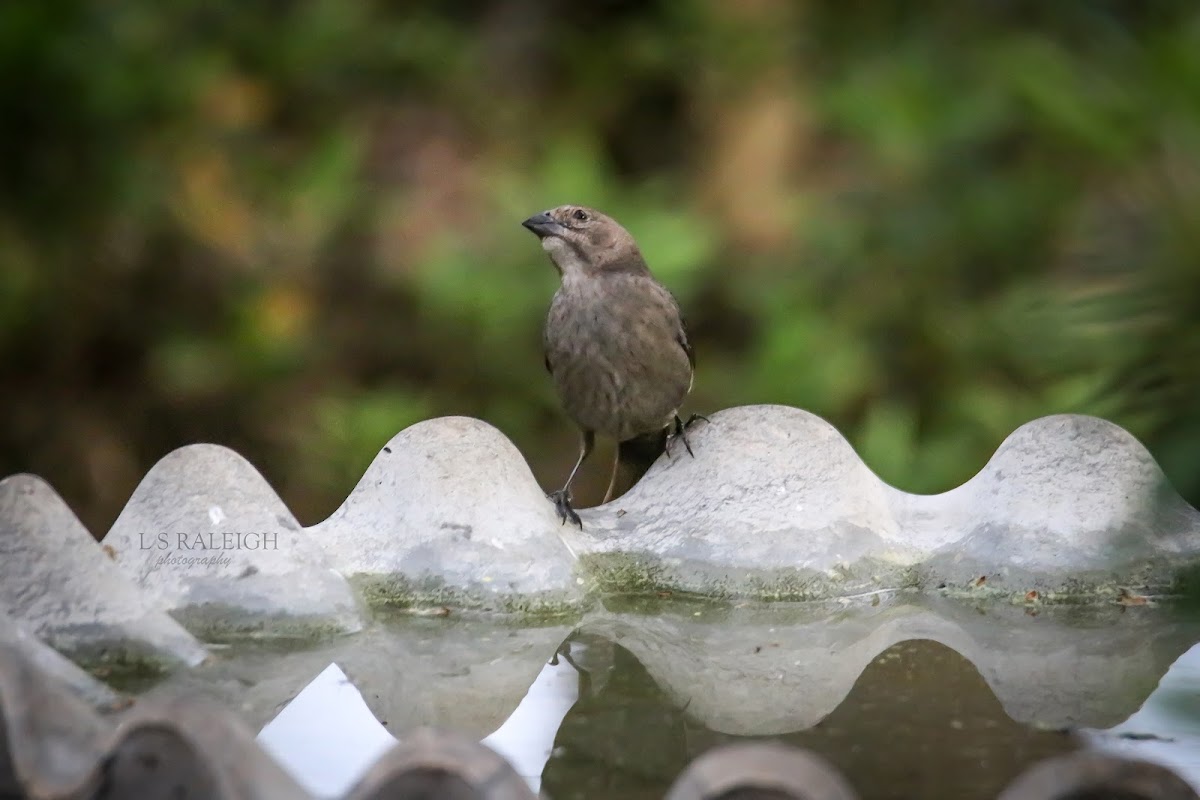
562, 498
612, 482
679, 431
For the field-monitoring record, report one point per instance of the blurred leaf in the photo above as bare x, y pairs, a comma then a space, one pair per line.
324, 190
351, 428
676, 246
189, 368
886, 441
1083, 103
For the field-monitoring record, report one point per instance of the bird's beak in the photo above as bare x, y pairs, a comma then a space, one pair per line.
543, 225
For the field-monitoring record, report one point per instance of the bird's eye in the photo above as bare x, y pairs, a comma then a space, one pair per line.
580, 215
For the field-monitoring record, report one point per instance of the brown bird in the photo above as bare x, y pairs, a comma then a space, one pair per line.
615, 342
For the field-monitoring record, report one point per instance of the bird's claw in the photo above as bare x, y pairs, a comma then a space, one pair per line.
562, 504
680, 432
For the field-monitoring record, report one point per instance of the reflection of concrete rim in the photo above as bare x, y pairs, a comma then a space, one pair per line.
765, 767
1083, 775
1069, 667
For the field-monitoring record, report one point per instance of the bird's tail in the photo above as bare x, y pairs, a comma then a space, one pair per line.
634, 457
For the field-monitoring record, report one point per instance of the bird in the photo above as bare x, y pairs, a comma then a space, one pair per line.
615, 343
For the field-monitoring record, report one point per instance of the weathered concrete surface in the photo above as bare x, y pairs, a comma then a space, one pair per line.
769, 768
205, 536
188, 747
1069, 504
429, 763
775, 503
767, 670
57, 582
448, 512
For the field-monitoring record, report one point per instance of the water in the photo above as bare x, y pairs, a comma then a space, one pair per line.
908, 696
920, 722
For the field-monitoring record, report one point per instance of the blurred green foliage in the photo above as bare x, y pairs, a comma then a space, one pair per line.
293, 227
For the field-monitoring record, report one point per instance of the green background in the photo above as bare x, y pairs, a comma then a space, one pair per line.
293, 227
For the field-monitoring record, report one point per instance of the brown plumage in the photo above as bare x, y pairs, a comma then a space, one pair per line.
615, 342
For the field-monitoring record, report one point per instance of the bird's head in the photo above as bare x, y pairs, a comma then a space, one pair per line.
582, 241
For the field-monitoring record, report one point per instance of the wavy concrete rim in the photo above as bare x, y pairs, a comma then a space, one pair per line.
776, 504
1069, 507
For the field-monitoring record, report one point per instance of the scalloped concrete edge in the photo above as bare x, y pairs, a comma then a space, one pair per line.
775, 505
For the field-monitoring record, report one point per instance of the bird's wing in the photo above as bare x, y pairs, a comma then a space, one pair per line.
681, 336
660, 300
681, 332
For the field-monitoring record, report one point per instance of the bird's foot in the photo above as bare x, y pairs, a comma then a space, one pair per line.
562, 504
680, 432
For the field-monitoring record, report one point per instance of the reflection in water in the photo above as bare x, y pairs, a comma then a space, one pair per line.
919, 722
922, 722
626, 739
1166, 729
908, 699
526, 738
327, 738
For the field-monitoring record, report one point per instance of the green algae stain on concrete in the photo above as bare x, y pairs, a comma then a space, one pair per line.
625, 573
431, 594
644, 574
1130, 586
613, 574
221, 624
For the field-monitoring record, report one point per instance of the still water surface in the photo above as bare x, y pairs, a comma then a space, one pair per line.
909, 697
919, 722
